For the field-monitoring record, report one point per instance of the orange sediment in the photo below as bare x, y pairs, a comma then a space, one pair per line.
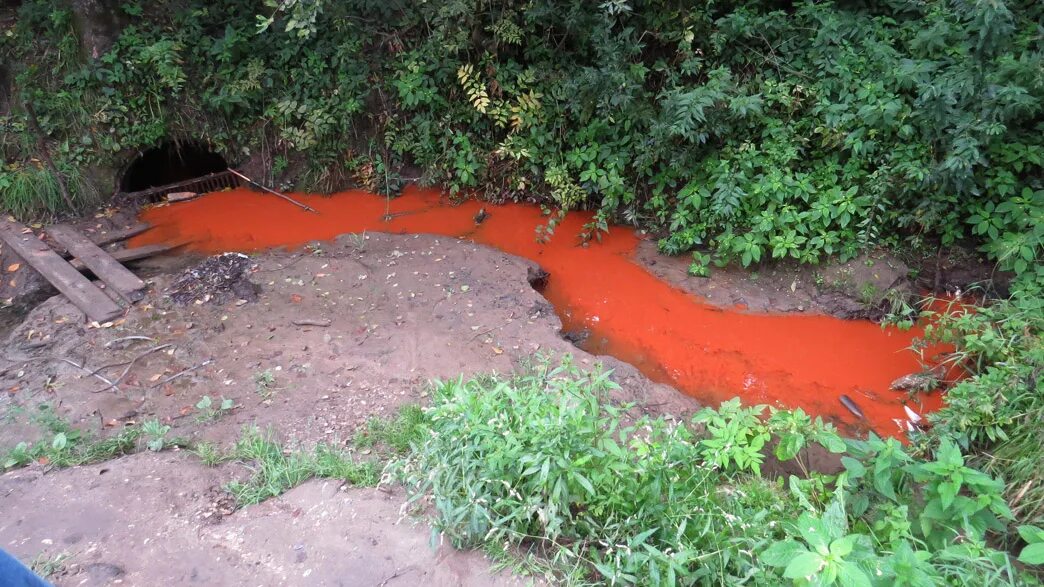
711, 353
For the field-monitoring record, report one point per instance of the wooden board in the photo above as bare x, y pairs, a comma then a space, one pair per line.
107, 238
109, 270
60, 273
127, 255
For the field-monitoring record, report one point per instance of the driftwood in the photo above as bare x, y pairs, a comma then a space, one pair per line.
273, 192
308, 322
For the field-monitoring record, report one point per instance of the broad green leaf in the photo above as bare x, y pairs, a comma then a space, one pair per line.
1033, 554
804, 565
779, 554
852, 575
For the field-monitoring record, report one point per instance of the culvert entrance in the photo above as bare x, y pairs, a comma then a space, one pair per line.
176, 166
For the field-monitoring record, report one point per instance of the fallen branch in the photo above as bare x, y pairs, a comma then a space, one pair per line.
109, 344
273, 192
306, 322
130, 365
61, 359
183, 372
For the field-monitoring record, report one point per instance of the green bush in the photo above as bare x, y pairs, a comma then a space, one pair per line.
543, 462
752, 131
996, 412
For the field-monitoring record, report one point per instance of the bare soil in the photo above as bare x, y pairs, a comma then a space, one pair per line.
348, 330
148, 519
855, 289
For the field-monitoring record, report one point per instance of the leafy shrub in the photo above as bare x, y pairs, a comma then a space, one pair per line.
747, 131
542, 457
996, 413
541, 461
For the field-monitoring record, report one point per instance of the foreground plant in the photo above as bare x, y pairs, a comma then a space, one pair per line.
542, 462
275, 469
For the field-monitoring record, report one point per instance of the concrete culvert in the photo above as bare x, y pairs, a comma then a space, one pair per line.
168, 163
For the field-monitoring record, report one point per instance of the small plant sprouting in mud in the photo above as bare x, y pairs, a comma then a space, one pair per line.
209, 453
315, 249
207, 411
700, 266
868, 293
155, 434
65, 446
264, 383
47, 566
358, 241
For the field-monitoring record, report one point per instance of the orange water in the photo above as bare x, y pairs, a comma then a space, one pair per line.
675, 337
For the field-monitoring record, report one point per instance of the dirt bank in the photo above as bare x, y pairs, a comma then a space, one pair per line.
377, 317
146, 520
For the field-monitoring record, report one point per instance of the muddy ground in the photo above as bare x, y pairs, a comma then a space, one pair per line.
349, 330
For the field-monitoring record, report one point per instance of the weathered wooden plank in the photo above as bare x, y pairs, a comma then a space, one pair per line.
109, 270
109, 237
128, 255
60, 273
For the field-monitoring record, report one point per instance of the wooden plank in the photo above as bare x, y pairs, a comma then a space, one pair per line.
128, 255
61, 274
109, 237
109, 270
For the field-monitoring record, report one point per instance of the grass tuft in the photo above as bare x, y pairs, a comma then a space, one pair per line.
276, 470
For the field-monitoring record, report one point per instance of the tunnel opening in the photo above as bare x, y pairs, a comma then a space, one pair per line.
171, 162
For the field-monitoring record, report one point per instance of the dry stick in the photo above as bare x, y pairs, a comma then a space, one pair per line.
62, 359
45, 154
309, 322
116, 340
273, 192
130, 365
183, 372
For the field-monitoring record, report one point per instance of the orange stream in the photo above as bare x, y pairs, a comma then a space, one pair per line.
711, 353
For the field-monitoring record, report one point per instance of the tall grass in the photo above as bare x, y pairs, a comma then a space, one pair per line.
30, 191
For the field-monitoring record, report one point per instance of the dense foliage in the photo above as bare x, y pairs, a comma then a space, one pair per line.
753, 130
738, 131
996, 413
542, 462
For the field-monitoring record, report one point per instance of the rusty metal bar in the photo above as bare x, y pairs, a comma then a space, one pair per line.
210, 182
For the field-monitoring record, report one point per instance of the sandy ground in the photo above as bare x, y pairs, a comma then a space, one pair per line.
401, 310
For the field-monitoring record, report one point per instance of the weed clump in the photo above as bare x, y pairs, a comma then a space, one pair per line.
276, 470
540, 464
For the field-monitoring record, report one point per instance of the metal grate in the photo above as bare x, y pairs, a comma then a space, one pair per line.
207, 183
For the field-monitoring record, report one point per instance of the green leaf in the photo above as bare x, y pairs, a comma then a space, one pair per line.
779, 554
843, 546
60, 441
814, 531
790, 444
947, 492
1033, 554
805, 564
852, 575
1031, 534
855, 469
